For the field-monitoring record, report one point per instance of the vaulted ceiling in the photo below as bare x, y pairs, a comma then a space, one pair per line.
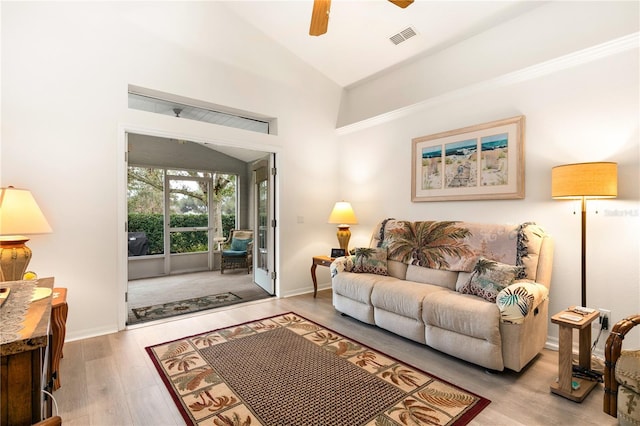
357, 45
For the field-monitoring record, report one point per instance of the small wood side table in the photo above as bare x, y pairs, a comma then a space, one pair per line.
59, 311
322, 261
565, 353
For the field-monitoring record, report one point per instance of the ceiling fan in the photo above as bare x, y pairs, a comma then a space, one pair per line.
320, 15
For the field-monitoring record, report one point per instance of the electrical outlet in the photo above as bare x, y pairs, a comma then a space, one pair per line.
605, 318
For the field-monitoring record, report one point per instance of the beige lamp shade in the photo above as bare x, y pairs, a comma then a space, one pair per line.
343, 213
589, 180
20, 214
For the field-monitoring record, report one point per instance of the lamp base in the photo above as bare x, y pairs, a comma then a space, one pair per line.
344, 234
14, 258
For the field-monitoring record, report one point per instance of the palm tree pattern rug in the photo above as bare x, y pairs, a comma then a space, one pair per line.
287, 370
166, 310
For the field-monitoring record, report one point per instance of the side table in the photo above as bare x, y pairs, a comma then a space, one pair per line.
59, 311
322, 261
565, 353
23, 370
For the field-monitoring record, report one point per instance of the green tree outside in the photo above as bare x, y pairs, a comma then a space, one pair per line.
188, 204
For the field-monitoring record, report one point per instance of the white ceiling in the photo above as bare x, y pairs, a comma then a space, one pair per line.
357, 46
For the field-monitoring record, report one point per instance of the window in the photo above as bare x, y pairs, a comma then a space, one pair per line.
206, 114
195, 203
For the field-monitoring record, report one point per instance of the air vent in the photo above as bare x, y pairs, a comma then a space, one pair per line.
403, 35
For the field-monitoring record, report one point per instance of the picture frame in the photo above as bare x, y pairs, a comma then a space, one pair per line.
337, 252
480, 162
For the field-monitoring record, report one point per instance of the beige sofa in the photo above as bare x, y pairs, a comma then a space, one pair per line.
478, 292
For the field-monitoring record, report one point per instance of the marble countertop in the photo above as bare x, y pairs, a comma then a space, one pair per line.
25, 316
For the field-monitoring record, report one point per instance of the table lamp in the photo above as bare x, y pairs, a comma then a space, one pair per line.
19, 215
583, 181
343, 215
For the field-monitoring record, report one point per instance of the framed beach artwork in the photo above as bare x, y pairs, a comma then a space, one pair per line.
481, 162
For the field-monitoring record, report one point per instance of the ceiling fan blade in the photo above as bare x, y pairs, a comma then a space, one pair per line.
401, 3
320, 17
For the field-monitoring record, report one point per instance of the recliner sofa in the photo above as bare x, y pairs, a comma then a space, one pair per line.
476, 291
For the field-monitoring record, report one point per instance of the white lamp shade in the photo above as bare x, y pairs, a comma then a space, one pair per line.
20, 214
343, 213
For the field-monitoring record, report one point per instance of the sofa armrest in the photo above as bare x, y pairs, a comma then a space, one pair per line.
341, 264
519, 299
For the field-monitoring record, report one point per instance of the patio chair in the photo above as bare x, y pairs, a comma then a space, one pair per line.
237, 252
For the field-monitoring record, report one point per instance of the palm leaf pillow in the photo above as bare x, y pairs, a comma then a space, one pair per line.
489, 278
370, 260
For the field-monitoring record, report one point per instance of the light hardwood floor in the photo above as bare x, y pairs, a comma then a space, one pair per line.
110, 380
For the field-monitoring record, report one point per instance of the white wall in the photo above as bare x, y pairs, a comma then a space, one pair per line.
65, 72
576, 111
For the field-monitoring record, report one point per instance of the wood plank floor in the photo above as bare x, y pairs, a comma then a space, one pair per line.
110, 380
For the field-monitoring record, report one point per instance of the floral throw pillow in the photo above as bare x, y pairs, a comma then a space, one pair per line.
489, 278
370, 260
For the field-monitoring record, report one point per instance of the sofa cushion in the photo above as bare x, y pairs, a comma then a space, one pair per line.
628, 370
628, 410
234, 253
396, 269
402, 297
438, 277
489, 277
370, 260
358, 286
463, 279
463, 314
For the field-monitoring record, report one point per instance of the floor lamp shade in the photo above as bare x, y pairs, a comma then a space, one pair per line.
19, 216
590, 180
343, 215
583, 181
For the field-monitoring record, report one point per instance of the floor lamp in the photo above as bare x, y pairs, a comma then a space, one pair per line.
19, 215
343, 215
584, 181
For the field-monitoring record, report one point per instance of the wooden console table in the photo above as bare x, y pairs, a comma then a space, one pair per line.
565, 354
24, 358
322, 261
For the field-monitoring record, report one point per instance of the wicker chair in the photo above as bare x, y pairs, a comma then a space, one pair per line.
238, 251
621, 373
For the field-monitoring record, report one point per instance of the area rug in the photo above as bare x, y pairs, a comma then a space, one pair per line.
287, 370
166, 310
